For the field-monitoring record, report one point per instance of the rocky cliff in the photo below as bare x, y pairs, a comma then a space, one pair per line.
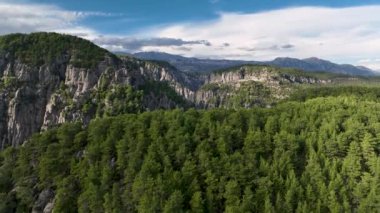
249, 85
36, 96
48, 79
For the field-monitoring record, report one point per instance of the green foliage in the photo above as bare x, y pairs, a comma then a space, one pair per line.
9, 81
123, 99
361, 91
114, 100
283, 72
38, 49
161, 90
215, 87
321, 155
248, 94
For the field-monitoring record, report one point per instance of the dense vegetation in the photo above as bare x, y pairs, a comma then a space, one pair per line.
282, 71
321, 155
37, 49
162, 90
362, 92
248, 94
114, 101
316, 151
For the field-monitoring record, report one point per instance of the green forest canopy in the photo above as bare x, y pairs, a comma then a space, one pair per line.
37, 49
321, 155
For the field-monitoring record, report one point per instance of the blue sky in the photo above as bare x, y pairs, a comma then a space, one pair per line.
133, 15
339, 30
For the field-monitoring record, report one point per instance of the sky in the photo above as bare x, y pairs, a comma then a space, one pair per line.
342, 31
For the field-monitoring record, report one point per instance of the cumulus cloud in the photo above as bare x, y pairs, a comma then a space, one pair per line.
132, 44
24, 18
373, 63
345, 35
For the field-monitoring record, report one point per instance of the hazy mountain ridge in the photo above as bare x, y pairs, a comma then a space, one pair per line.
205, 65
189, 64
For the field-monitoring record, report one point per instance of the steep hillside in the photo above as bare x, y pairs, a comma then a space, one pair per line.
252, 85
296, 157
94, 140
48, 78
262, 85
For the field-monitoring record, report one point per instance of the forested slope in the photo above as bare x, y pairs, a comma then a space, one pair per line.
47, 79
321, 155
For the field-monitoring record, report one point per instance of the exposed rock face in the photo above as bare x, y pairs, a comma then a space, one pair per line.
49, 207
220, 87
181, 83
39, 91
36, 98
44, 202
23, 100
263, 74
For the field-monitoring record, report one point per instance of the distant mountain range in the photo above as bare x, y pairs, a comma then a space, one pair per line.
187, 64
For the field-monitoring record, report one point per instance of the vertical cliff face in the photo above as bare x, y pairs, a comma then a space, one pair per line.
48, 79
183, 84
248, 86
36, 98
39, 92
264, 74
25, 92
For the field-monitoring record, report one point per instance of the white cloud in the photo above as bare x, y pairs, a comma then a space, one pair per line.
373, 63
24, 18
345, 35
137, 44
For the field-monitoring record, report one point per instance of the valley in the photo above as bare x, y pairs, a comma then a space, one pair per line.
85, 130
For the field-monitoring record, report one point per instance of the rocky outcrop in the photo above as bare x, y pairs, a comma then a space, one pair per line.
219, 88
268, 75
44, 203
36, 98
183, 84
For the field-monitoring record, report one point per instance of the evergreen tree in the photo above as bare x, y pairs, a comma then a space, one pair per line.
174, 203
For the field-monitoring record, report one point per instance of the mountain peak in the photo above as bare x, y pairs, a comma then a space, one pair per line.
42, 48
282, 58
314, 59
